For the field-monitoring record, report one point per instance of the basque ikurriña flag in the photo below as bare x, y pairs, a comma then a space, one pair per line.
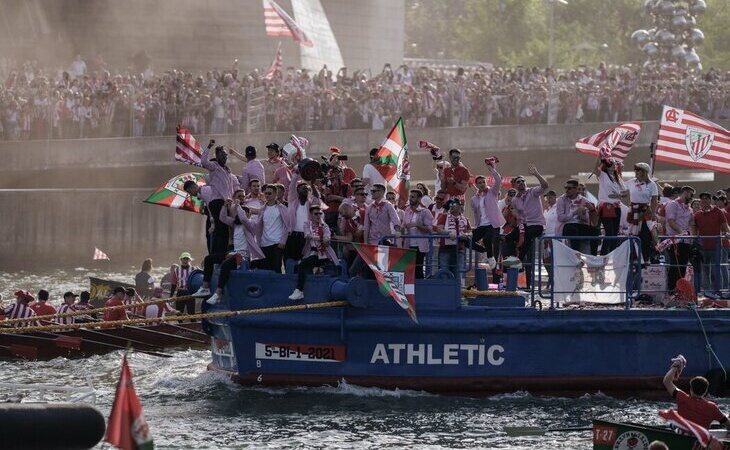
614, 142
392, 159
395, 271
687, 139
127, 428
187, 149
172, 195
673, 418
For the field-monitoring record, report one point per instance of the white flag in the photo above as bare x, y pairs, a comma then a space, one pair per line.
98, 254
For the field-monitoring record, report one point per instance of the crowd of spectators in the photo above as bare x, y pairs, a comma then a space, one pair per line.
88, 100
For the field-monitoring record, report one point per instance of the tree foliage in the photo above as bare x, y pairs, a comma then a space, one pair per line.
516, 32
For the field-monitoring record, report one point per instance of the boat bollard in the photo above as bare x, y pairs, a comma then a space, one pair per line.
512, 274
480, 278
338, 289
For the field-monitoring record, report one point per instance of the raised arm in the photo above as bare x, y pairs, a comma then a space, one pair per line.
533, 171
205, 161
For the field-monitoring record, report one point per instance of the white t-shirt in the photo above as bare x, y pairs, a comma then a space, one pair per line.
239, 240
642, 192
273, 226
606, 187
371, 173
551, 220
301, 218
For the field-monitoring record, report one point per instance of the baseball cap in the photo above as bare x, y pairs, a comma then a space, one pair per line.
642, 166
273, 146
186, 255
69, 294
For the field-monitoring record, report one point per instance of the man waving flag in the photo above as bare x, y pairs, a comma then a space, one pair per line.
687, 139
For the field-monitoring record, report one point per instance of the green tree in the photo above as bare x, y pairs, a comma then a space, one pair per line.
515, 32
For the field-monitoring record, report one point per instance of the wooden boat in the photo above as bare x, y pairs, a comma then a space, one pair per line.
152, 339
609, 435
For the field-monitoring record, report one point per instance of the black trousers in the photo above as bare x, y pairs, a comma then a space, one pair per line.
184, 305
610, 228
294, 246
273, 256
227, 266
526, 252
420, 257
490, 240
305, 267
678, 258
209, 263
578, 230
219, 239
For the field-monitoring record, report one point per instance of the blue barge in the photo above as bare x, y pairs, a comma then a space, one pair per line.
479, 346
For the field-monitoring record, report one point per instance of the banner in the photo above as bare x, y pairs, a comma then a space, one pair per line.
581, 278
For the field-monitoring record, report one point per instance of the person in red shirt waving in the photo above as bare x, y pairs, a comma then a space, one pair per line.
693, 406
456, 178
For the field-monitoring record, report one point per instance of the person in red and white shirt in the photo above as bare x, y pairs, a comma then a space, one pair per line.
417, 220
456, 177
41, 307
456, 226
20, 309
69, 298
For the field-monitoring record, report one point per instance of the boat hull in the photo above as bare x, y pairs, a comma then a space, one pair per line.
457, 348
609, 435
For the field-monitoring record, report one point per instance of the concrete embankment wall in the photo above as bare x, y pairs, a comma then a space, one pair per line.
63, 198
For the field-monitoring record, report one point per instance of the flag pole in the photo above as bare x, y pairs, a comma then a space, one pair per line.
652, 156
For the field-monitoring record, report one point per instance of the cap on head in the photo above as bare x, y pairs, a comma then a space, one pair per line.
69, 294
118, 290
642, 166
272, 146
186, 255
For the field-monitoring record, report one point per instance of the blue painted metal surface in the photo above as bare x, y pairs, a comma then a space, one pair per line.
489, 344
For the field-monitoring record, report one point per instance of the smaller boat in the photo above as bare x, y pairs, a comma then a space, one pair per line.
609, 435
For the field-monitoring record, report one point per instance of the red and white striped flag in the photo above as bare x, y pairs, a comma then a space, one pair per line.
673, 418
687, 139
279, 23
612, 143
187, 149
275, 66
98, 254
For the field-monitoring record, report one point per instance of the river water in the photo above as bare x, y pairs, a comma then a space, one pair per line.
188, 407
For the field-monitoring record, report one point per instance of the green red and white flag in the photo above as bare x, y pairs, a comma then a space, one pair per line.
395, 271
392, 160
127, 428
172, 195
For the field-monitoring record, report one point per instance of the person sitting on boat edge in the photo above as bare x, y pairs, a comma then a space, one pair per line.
317, 249
41, 307
115, 300
20, 309
245, 247
69, 298
693, 406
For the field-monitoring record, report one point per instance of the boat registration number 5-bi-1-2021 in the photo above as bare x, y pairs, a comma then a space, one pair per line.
301, 352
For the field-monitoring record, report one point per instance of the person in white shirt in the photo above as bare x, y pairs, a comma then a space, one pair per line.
370, 174
274, 230
644, 196
611, 189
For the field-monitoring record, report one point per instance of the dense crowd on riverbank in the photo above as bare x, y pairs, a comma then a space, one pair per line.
87, 100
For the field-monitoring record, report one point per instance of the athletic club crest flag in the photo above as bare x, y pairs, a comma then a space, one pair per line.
612, 143
687, 139
172, 195
127, 428
392, 159
395, 271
